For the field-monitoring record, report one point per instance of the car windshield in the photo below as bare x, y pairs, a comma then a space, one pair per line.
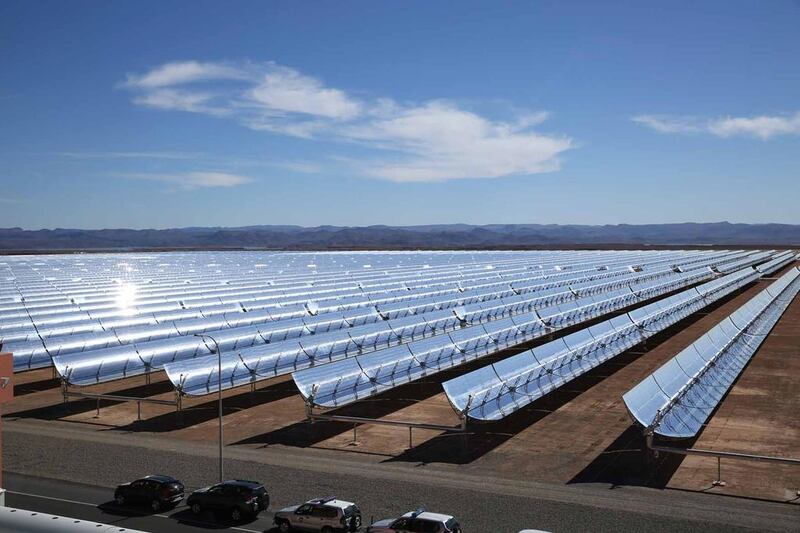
350, 510
451, 524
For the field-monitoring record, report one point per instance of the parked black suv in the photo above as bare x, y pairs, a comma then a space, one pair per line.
236, 498
156, 491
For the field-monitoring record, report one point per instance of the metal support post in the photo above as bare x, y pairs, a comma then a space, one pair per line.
718, 482
219, 394
309, 411
463, 416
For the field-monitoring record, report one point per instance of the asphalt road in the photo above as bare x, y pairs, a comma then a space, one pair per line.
73, 474
86, 502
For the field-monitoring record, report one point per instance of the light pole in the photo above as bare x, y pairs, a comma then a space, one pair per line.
219, 383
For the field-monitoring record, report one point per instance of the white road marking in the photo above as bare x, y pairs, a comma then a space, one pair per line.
74, 502
51, 498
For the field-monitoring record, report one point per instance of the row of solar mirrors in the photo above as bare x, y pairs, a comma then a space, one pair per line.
42, 332
102, 302
675, 401
75, 307
62, 296
365, 350
495, 391
679, 397
353, 325
60, 330
422, 324
93, 281
71, 301
58, 278
353, 378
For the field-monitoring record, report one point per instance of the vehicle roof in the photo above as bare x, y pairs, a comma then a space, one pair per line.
161, 478
341, 504
435, 517
241, 483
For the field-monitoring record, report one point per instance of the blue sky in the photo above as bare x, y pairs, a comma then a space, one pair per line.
171, 114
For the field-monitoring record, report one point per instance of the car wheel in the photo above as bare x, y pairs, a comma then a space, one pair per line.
120, 499
326, 529
155, 505
196, 509
284, 527
236, 514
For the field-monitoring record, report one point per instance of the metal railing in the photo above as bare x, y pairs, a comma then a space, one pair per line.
67, 394
719, 454
311, 416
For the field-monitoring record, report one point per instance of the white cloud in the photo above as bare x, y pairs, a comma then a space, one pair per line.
193, 180
762, 127
285, 90
261, 95
529, 120
178, 100
300, 167
305, 129
430, 141
182, 72
665, 124
444, 142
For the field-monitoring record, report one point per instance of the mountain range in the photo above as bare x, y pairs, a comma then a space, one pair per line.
441, 236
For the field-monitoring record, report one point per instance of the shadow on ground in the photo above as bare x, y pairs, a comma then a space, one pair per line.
482, 438
124, 511
209, 410
304, 434
626, 462
21, 389
62, 410
210, 520
207, 519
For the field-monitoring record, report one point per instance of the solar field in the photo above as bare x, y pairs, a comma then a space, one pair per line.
464, 359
